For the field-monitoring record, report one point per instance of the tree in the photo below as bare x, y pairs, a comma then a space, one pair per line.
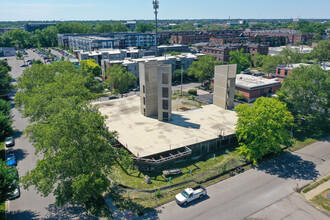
270, 63
145, 27
91, 66
40, 85
257, 59
77, 155
9, 181
119, 27
4, 107
306, 92
322, 51
5, 79
290, 56
5, 126
119, 79
241, 59
104, 28
203, 68
262, 128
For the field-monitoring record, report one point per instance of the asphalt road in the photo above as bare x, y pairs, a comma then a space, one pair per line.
265, 192
30, 205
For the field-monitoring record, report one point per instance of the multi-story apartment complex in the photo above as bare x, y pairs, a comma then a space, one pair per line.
90, 42
132, 65
222, 53
291, 36
202, 36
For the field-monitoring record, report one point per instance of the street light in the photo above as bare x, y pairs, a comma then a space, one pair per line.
156, 7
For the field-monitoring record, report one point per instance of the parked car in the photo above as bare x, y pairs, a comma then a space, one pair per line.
15, 194
113, 97
11, 159
9, 142
23, 65
190, 194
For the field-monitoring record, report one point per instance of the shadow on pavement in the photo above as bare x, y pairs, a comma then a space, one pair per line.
290, 166
193, 203
22, 215
65, 213
18, 134
19, 153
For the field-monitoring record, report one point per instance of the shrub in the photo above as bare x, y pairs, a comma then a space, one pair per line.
192, 91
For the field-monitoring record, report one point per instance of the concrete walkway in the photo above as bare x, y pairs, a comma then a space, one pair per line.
314, 192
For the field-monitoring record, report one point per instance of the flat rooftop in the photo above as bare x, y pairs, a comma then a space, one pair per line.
145, 136
249, 82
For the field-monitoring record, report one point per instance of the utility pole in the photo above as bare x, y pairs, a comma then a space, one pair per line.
156, 7
181, 76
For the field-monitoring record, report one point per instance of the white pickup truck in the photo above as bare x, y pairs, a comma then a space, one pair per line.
190, 194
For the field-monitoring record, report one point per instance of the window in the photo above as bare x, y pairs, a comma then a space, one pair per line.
165, 92
285, 73
143, 89
165, 78
270, 90
144, 100
165, 116
165, 104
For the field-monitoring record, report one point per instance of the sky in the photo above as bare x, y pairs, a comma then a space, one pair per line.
15, 10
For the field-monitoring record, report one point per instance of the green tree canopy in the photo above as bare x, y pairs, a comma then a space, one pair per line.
270, 63
322, 51
91, 66
145, 27
306, 92
119, 79
5, 79
103, 28
203, 68
262, 128
40, 85
241, 59
4, 107
77, 155
9, 181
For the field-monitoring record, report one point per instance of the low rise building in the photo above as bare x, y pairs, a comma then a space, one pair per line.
253, 87
7, 51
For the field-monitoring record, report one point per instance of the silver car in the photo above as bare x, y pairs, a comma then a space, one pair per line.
10, 142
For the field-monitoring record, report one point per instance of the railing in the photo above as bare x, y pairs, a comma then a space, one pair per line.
164, 159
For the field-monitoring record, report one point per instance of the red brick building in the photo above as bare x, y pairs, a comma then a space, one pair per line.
222, 53
283, 71
253, 87
291, 36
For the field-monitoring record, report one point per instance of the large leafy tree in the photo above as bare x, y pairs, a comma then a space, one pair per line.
5, 79
203, 68
145, 27
241, 59
40, 85
76, 154
290, 56
119, 79
8, 183
306, 93
90, 66
269, 63
322, 51
103, 28
263, 128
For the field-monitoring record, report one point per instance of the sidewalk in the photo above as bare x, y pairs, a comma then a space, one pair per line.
314, 192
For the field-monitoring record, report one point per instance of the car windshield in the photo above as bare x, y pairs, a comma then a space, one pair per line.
9, 139
185, 194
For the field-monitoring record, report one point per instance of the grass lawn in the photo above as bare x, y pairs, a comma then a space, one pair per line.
322, 200
313, 186
200, 170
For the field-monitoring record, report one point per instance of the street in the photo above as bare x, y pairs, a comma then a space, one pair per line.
30, 204
265, 192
